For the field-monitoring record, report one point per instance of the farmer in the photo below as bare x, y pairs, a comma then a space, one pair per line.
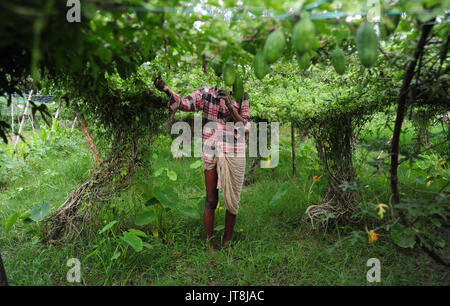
223, 155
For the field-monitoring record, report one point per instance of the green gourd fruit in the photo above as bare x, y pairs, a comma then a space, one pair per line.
338, 61
303, 35
238, 88
274, 46
217, 67
304, 61
229, 75
259, 66
367, 44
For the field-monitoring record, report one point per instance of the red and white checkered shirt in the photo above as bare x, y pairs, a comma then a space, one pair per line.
216, 133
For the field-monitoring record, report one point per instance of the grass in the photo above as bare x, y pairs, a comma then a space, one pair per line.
272, 245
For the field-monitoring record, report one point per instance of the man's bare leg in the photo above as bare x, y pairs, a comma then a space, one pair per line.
230, 221
212, 196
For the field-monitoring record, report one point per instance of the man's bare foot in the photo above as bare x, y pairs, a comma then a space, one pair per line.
226, 245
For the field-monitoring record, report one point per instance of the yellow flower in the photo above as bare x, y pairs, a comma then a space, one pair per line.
316, 178
381, 209
268, 162
373, 237
441, 163
155, 233
241, 230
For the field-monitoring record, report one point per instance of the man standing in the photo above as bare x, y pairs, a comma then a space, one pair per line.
223, 156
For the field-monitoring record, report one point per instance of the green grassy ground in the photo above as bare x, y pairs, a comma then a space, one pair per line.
271, 246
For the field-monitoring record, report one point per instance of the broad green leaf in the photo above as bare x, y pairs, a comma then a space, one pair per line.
159, 171
10, 222
436, 222
138, 233
151, 202
281, 192
134, 241
146, 217
116, 255
196, 164
189, 212
439, 241
219, 228
167, 196
39, 212
147, 245
402, 236
172, 175
107, 226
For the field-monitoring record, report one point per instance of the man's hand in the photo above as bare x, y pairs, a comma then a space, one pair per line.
227, 98
160, 84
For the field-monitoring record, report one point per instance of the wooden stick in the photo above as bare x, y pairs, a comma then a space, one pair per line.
89, 138
56, 118
23, 119
294, 160
73, 123
56, 115
12, 118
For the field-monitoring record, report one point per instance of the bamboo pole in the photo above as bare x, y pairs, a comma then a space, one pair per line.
23, 120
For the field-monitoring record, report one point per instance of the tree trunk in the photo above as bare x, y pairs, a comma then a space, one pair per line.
3, 279
23, 120
294, 160
402, 107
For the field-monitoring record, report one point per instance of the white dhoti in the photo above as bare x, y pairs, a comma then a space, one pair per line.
230, 174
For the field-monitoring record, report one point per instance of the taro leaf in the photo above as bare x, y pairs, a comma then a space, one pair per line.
219, 228
281, 192
439, 242
35, 240
151, 202
403, 236
196, 164
10, 222
189, 212
116, 255
172, 175
145, 189
134, 241
107, 226
166, 196
159, 171
39, 212
147, 245
146, 217
138, 233
436, 222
